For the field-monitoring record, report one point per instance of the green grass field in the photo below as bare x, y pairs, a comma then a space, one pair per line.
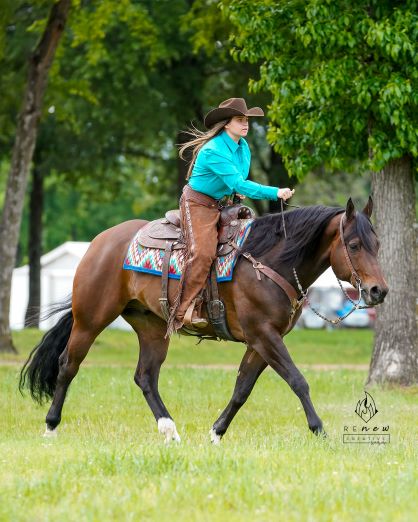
306, 347
110, 463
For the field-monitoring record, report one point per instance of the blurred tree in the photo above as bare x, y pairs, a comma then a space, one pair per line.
39, 63
210, 33
128, 79
90, 134
344, 81
86, 127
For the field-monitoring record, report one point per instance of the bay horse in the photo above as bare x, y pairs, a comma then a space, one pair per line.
258, 310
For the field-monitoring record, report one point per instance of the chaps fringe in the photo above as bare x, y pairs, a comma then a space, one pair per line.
172, 324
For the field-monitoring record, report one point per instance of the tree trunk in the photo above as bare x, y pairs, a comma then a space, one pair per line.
35, 248
278, 176
395, 357
27, 125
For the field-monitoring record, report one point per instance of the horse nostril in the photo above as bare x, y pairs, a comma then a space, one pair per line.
377, 294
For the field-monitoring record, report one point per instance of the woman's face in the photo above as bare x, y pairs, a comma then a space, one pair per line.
238, 127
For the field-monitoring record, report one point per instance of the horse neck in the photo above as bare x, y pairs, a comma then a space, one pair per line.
308, 268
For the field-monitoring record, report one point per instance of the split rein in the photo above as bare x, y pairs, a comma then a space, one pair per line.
355, 278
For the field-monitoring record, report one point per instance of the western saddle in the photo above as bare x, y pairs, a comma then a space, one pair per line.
166, 234
158, 232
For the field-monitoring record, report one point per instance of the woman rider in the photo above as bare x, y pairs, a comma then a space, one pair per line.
219, 167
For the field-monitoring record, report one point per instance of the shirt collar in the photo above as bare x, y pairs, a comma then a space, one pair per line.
233, 145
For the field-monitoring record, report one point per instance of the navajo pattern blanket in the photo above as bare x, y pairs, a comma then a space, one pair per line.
150, 260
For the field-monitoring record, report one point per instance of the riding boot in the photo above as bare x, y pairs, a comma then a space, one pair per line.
193, 316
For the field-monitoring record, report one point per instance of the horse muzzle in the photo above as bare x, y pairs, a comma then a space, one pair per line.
374, 295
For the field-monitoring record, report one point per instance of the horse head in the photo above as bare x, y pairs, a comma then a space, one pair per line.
354, 254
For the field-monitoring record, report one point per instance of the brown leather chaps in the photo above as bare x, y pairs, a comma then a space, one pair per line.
199, 219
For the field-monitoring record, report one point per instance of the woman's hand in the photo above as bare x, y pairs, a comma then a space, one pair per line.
285, 193
240, 196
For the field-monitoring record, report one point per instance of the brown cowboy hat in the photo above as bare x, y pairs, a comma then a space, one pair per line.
229, 108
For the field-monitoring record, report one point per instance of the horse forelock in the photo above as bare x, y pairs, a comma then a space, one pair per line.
364, 230
304, 226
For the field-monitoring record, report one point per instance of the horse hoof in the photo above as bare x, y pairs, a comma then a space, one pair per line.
320, 433
167, 427
51, 434
214, 437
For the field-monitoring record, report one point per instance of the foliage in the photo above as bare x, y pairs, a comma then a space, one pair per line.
18, 39
112, 112
127, 77
99, 102
343, 76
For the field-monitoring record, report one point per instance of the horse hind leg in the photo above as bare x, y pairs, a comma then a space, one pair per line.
76, 350
151, 330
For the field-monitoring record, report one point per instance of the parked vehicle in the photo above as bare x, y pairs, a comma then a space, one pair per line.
308, 319
358, 319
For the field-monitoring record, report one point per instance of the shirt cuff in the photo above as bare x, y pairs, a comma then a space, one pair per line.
271, 192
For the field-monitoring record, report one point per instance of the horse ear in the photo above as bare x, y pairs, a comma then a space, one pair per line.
350, 210
368, 209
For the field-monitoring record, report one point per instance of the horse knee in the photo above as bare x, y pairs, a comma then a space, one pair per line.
67, 372
240, 396
239, 401
143, 381
138, 380
63, 358
299, 385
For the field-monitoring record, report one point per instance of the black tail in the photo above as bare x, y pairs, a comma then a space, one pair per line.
40, 372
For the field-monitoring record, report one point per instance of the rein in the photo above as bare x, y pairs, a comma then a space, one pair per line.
354, 277
290, 291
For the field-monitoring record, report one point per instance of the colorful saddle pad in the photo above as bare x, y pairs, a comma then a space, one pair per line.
150, 260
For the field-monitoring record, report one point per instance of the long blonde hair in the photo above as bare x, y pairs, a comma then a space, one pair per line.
198, 140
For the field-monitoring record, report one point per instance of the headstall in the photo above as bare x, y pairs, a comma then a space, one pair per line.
296, 301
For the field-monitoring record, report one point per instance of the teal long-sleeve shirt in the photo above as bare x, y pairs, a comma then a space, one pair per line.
222, 167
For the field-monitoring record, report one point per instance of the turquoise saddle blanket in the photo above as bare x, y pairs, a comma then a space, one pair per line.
150, 260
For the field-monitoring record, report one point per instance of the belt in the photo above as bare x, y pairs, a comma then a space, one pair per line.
199, 197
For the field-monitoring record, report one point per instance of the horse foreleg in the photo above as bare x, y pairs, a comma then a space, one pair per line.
153, 351
270, 346
252, 365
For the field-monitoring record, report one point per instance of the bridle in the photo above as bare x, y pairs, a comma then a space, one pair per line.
354, 275
354, 279
297, 302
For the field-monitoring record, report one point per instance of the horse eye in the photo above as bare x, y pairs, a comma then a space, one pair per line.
354, 247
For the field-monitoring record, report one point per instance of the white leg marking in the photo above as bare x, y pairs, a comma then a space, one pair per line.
167, 427
50, 433
214, 438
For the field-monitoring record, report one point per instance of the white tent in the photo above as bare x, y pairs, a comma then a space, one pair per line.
328, 280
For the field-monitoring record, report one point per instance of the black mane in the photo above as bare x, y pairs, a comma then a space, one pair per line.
304, 226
